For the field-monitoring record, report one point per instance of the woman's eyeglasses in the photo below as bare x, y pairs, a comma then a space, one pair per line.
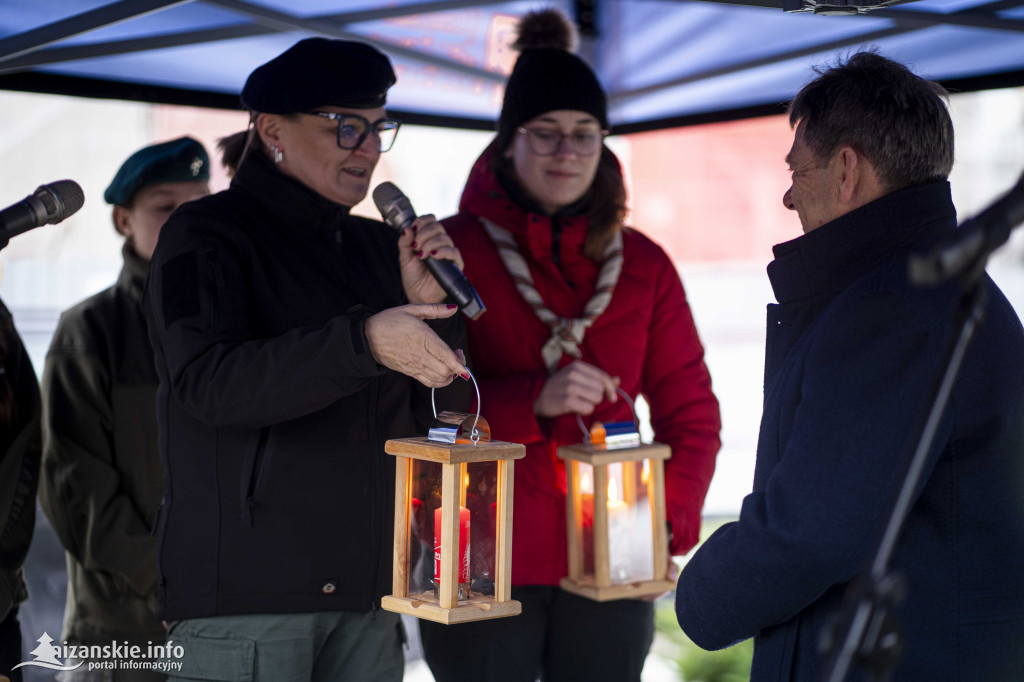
545, 141
354, 129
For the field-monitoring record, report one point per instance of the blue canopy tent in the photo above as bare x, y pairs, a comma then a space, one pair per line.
664, 63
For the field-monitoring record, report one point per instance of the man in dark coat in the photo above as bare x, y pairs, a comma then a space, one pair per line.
853, 351
101, 482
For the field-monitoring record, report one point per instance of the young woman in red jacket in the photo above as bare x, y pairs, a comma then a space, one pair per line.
578, 306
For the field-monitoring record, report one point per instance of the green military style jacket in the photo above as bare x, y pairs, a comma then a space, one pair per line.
101, 481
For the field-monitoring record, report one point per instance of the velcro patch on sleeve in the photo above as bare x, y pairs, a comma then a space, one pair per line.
181, 287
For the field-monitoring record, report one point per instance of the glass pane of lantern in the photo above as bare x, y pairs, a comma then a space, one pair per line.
480, 486
587, 515
631, 547
630, 541
478, 502
425, 499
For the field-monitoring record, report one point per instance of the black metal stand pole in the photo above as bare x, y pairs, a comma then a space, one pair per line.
865, 632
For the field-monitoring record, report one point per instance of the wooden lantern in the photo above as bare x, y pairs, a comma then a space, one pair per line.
627, 506
443, 604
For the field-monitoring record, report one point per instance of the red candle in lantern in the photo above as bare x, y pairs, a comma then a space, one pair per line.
463, 545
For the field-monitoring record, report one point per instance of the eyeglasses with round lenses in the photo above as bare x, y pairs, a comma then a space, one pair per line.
545, 141
354, 129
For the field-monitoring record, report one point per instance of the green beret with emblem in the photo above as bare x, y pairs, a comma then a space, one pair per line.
181, 160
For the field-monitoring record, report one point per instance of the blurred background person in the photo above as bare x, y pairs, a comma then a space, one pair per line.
20, 452
579, 306
291, 344
101, 480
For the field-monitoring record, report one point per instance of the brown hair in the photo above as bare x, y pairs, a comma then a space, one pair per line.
231, 148
606, 205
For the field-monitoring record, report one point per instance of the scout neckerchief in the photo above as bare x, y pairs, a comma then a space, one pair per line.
566, 334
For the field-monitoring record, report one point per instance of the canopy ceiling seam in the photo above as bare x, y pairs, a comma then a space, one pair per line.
107, 15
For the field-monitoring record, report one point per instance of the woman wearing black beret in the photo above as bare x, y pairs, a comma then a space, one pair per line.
293, 339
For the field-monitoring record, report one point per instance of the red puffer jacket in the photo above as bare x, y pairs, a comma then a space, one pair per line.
646, 337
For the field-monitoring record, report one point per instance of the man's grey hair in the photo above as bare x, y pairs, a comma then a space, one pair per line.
894, 118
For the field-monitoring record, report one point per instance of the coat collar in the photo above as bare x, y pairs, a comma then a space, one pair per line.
134, 272
288, 201
832, 257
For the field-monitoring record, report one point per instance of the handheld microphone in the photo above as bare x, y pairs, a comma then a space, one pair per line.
397, 212
49, 204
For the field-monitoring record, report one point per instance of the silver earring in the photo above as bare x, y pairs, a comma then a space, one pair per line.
278, 154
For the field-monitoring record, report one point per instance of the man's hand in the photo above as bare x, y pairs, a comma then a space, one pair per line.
576, 388
400, 340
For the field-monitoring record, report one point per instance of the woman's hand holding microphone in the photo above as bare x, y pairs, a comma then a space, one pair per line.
399, 338
425, 238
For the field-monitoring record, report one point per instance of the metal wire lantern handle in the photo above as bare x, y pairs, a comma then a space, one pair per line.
475, 435
632, 408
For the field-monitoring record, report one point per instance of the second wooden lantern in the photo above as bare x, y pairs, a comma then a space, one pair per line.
615, 515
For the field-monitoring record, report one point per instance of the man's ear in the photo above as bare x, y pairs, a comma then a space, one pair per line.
122, 219
859, 183
851, 170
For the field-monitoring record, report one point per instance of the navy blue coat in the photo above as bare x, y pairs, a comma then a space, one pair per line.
852, 354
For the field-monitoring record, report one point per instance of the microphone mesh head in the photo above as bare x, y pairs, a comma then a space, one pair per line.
386, 194
62, 199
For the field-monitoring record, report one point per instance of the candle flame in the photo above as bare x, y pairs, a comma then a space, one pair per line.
613, 491
645, 473
585, 485
465, 480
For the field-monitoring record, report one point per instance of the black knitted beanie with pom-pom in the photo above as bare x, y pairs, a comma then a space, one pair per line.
547, 76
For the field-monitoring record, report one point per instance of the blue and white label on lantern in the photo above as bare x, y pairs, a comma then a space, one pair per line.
621, 435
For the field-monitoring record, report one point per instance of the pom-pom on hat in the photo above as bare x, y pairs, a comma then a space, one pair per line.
181, 160
547, 76
318, 71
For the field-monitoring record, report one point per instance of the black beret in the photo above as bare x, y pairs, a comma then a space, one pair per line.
315, 72
180, 160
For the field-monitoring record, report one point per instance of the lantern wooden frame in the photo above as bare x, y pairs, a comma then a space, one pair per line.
599, 585
453, 458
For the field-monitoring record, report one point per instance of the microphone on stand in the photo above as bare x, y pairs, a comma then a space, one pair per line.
397, 211
972, 242
49, 204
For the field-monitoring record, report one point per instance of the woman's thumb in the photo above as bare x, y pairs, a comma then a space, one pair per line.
432, 311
